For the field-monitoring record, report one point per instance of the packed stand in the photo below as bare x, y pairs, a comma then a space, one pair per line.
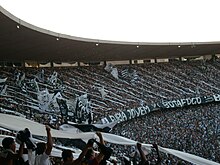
190, 129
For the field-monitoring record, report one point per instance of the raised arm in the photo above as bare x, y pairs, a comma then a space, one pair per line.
21, 149
158, 154
99, 134
143, 157
49, 141
100, 156
134, 159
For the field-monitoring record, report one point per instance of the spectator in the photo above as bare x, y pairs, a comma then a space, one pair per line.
144, 160
67, 156
9, 155
90, 157
43, 150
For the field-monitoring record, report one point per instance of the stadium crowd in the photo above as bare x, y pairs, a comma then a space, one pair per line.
190, 129
194, 129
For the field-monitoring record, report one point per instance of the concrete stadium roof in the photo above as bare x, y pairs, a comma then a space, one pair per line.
21, 41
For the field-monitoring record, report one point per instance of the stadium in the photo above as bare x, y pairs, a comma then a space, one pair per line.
153, 93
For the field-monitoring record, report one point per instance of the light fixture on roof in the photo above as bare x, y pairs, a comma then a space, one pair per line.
58, 38
19, 23
97, 43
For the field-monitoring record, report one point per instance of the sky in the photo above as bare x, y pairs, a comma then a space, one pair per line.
124, 20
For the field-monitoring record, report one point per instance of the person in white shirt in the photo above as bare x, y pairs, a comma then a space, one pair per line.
43, 150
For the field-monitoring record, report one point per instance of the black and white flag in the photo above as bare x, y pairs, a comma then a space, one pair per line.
70, 126
83, 111
63, 106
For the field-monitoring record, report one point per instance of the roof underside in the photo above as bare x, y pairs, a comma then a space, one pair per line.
32, 43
